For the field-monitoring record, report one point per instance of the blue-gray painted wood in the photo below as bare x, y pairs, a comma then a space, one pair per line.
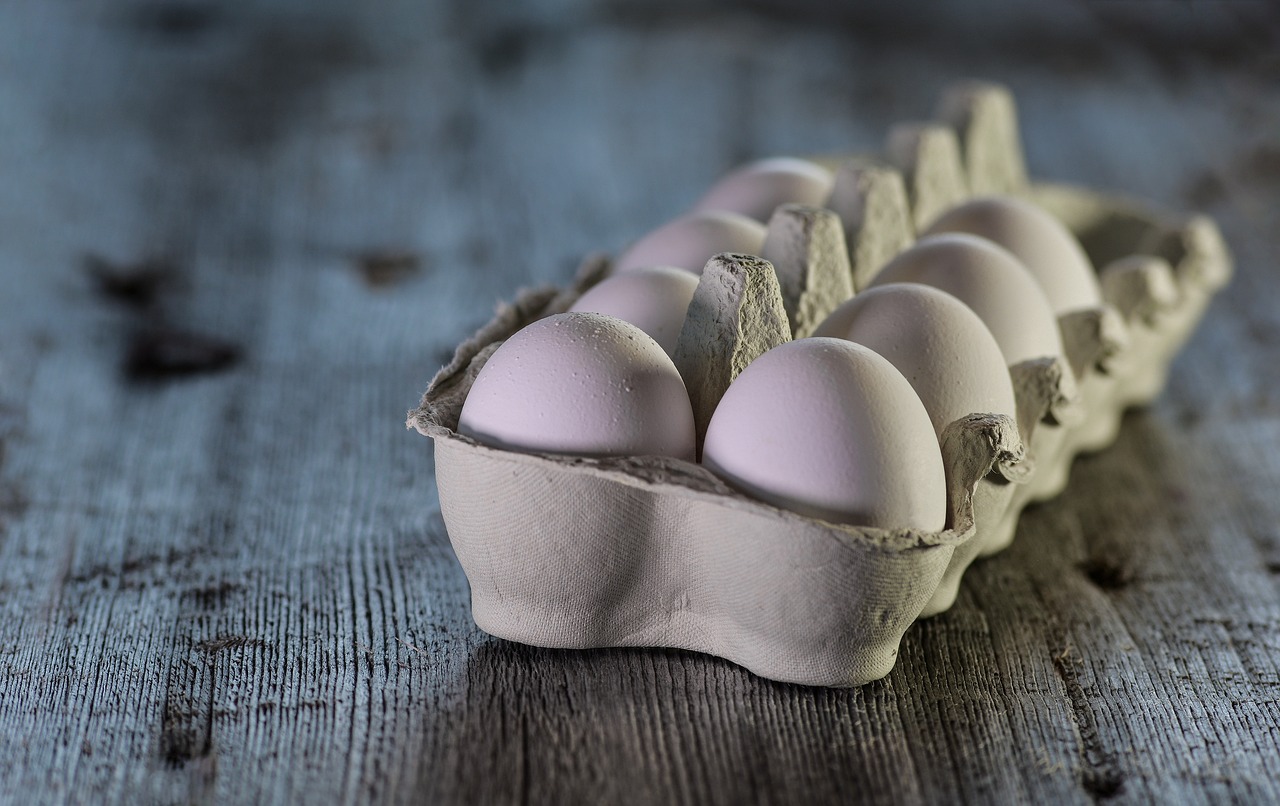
236, 240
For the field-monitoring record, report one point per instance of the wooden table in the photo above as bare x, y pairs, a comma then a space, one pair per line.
236, 240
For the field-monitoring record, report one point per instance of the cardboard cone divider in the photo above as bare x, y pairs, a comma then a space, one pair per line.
578, 552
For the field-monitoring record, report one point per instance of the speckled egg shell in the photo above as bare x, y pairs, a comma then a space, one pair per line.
938, 344
832, 430
1046, 247
581, 383
992, 282
689, 242
653, 298
757, 189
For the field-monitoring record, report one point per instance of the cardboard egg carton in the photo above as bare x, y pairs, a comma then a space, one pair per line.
576, 552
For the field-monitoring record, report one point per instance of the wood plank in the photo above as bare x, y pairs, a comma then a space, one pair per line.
223, 574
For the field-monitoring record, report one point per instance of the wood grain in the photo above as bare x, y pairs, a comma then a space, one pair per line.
237, 240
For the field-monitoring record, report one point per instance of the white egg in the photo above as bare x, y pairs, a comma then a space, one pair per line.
690, 241
580, 383
938, 344
757, 189
992, 282
1043, 244
830, 429
653, 298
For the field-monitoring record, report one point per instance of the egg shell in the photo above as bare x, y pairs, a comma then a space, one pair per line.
757, 189
690, 241
580, 383
830, 429
1046, 247
653, 298
938, 344
992, 282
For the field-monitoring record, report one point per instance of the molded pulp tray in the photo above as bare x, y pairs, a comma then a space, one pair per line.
575, 552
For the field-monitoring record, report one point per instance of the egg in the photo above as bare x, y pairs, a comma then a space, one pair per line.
830, 429
938, 344
992, 282
689, 242
580, 383
653, 298
1043, 244
757, 189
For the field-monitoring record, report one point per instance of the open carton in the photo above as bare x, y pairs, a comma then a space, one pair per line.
575, 552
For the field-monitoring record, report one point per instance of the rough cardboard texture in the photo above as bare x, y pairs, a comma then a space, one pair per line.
735, 316
566, 551
572, 552
1195, 249
1093, 338
808, 251
442, 402
986, 123
928, 155
641, 551
1046, 391
1140, 287
1107, 233
871, 199
969, 442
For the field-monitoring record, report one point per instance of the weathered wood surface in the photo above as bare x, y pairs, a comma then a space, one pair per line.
237, 239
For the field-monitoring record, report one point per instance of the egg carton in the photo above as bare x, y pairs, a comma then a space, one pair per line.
577, 552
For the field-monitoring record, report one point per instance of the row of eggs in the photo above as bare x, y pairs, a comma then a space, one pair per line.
843, 425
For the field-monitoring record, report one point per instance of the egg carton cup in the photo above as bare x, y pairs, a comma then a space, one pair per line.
578, 552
